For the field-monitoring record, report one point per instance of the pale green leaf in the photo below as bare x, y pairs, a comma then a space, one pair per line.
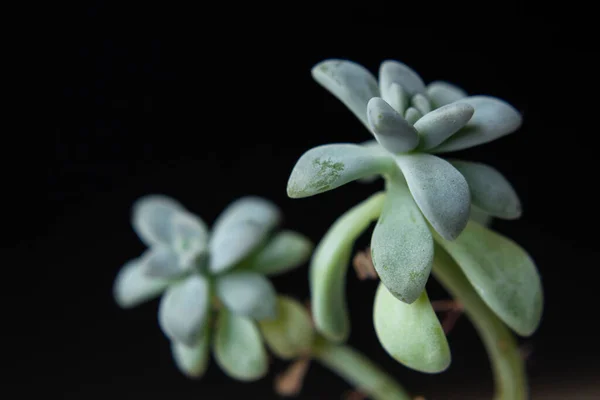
421, 103
412, 115
391, 71
190, 238
193, 360
133, 287
389, 128
248, 294
285, 251
396, 97
480, 216
161, 262
440, 124
151, 218
441, 93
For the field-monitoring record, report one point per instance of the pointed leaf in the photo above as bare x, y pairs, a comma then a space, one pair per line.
402, 245
442, 93
242, 226
285, 251
151, 218
190, 238
396, 97
133, 287
411, 333
327, 273
247, 294
421, 103
161, 262
392, 71
493, 118
390, 129
350, 82
490, 190
291, 333
192, 361
329, 166
502, 273
412, 115
440, 191
440, 124
183, 310
238, 347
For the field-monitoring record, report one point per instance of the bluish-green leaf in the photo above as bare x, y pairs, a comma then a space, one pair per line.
440, 191
133, 287
402, 245
329, 265
480, 216
412, 115
238, 347
441, 93
490, 190
290, 334
421, 103
285, 251
390, 129
396, 97
493, 118
247, 293
190, 238
329, 166
440, 124
151, 218
411, 333
392, 71
502, 273
161, 262
193, 360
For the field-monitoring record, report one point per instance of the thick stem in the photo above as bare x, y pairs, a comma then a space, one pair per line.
507, 363
358, 370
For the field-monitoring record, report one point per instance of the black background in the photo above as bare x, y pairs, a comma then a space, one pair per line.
206, 105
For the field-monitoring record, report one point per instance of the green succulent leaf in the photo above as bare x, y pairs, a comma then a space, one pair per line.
238, 347
502, 273
490, 190
291, 334
396, 97
240, 229
329, 166
161, 262
441, 192
183, 309
151, 218
285, 251
190, 238
412, 115
440, 124
411, 333
389, 128
402, 245
193, 360
248, 294
350, 82
133, 287
327, 272
493, 118
480, 216
391, 71
441, 93
421, 103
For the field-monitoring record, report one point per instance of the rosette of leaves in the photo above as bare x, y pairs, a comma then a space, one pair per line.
426, 199
214, 286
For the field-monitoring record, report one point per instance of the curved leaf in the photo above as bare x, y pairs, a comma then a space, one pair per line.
240, 228
490, 190
133, 287
332, 165
392, 71
183, 310
390, 129
480, 216
421, 103
493, 118
350, 82
411, 333
248, 294
502, 273
285, 251
291, 334
412, 115
190, 238
441, 93
402, 245
440, 191
327, 273
440, 124
238, 347
161, 262
151, 218
192, 361
396, 97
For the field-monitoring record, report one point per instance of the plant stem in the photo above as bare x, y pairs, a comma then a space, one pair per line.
507, 363
358, 370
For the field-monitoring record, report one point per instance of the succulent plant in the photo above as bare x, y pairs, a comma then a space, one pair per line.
215, 286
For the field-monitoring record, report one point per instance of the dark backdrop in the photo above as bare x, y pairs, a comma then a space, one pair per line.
208, 105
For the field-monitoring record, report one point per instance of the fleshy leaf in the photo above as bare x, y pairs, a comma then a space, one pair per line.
285, 251
402, 245
490, 190
238, 347
161, 262
493, 118
390, 129
151, 218
502, 273
480, 216
192, 361
327, 273
133, 287
441, 93
183, 309
247, 294
440, 124
392, 71
412, 115
396, 97
421, 103
190, 237
411, 333
291, 333
440, 191
332, 165
350, 82
240, 228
